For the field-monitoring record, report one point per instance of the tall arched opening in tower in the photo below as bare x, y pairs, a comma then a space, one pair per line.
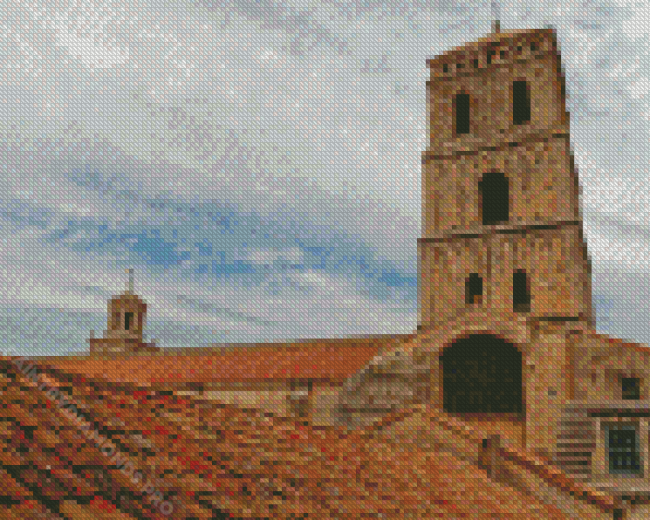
494, 198
481, 374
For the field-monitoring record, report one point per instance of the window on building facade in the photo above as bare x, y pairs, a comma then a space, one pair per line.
520, 103
520, 292
494, 198
461, 102
473, 289
128, 319
631, 388
623, 450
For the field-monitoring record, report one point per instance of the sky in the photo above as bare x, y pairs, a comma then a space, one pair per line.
258, 163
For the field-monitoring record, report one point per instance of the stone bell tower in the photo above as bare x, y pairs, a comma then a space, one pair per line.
504, 276
126, 320
502, 242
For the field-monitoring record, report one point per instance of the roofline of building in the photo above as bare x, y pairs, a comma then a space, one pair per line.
491, 40
638, 347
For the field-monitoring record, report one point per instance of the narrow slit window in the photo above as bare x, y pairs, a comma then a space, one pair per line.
473, 289
521, 292
462, 114
128, 319
520, 103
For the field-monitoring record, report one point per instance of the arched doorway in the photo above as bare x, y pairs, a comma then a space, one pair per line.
482, 374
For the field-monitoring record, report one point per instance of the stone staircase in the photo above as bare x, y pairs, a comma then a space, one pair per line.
576, 443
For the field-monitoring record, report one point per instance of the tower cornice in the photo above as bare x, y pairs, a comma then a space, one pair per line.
504, 45
509, 229
496, 144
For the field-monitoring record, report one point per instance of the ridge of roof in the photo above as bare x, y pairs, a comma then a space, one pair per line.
332, 361
227, 348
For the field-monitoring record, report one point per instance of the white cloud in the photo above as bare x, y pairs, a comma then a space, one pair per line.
615, 194
265, 257
638, 27
629, 255
640, 88
84, 48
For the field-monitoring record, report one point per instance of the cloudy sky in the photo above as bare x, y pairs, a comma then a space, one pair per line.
257, 162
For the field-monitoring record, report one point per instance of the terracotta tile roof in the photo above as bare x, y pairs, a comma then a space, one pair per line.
211, 461
331, 360
535, 464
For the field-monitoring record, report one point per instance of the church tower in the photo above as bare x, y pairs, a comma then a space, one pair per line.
126, 315
502, 242
126, 320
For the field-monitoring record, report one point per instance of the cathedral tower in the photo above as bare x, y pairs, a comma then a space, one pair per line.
502, 242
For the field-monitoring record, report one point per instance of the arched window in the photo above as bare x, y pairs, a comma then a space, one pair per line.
482, 374
494, 198
473, 289
520, 103
521, 292
128, 318
461, 108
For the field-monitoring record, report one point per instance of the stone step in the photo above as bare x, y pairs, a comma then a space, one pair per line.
576, 439
582, 426
573, 449
575, 445
576, 470
575, 431
579, 475
571, 459
565, 455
